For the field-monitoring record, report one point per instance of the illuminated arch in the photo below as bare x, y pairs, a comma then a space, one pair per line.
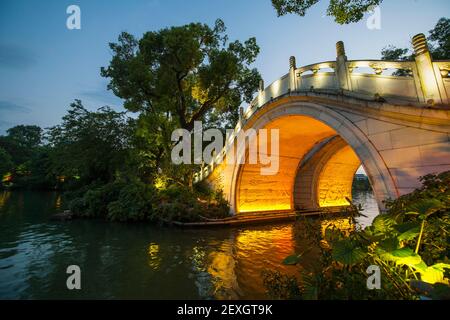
304, 125
325, 175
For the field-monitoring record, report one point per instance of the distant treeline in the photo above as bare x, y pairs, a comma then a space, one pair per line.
361, 183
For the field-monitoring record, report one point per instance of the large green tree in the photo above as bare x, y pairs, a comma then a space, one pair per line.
183, 73
343, 11
179, 75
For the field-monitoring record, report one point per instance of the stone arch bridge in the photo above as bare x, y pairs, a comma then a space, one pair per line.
334, 116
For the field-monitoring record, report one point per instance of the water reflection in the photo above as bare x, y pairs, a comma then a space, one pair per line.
369, 205
153, 258
135, 260
4, 196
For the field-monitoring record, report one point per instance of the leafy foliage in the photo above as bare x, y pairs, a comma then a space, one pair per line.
6, 163
281, 286
134, 203
343, 11
24, 159
410, 244
438, 40
183, 72
91, 145
179, 75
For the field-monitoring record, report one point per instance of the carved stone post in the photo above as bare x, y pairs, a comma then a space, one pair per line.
292, 77
261, 97
430, 81
342, 73
261, 85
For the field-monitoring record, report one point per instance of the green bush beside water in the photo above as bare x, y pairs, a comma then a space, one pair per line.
136, 201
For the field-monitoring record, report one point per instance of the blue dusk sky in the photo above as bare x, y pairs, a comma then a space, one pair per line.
44, 66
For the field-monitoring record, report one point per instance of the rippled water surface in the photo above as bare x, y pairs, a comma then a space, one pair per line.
136, 260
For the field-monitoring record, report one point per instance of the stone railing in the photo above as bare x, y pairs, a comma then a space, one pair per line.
421, 82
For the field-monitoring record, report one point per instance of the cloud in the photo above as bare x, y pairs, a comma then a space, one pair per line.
102, 96
16, 57
8, 107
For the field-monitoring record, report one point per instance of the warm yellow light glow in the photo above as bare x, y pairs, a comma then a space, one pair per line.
239, 256
160, 183
341, 224
154, 260
269, 207
335, 181
4, 196
7, 177
297, 135
58, 202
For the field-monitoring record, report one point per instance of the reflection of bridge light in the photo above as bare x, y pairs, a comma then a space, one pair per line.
58, 202
4, 198
280, 238
154, 260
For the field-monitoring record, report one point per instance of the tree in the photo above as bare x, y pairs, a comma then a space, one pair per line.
26, 136
91, 145
183, 73
343, 11
438, 40
21, 141
179, 75
6, 163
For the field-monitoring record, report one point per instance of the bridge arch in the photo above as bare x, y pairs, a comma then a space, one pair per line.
303, 127
325, 175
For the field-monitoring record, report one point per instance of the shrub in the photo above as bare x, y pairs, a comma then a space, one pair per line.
92, 201
133, 204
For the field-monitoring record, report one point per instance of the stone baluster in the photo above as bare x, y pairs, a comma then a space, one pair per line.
292, 76
431, 82
342, 72
241, 114
261, 98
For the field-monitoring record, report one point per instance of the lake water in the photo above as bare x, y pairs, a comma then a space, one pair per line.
137, 261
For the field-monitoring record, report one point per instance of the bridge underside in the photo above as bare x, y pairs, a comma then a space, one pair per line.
316, 169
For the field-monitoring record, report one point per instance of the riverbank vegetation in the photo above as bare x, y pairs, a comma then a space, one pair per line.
409, 245
117, 165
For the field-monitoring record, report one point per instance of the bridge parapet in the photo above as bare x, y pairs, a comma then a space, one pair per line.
419, 83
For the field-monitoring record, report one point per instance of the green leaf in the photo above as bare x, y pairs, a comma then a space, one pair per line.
332, 234
441, 266
403, 227
383, 224
403, 256
389, 244
432, 275
410, 234
426, 207
347, 252
291, 260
